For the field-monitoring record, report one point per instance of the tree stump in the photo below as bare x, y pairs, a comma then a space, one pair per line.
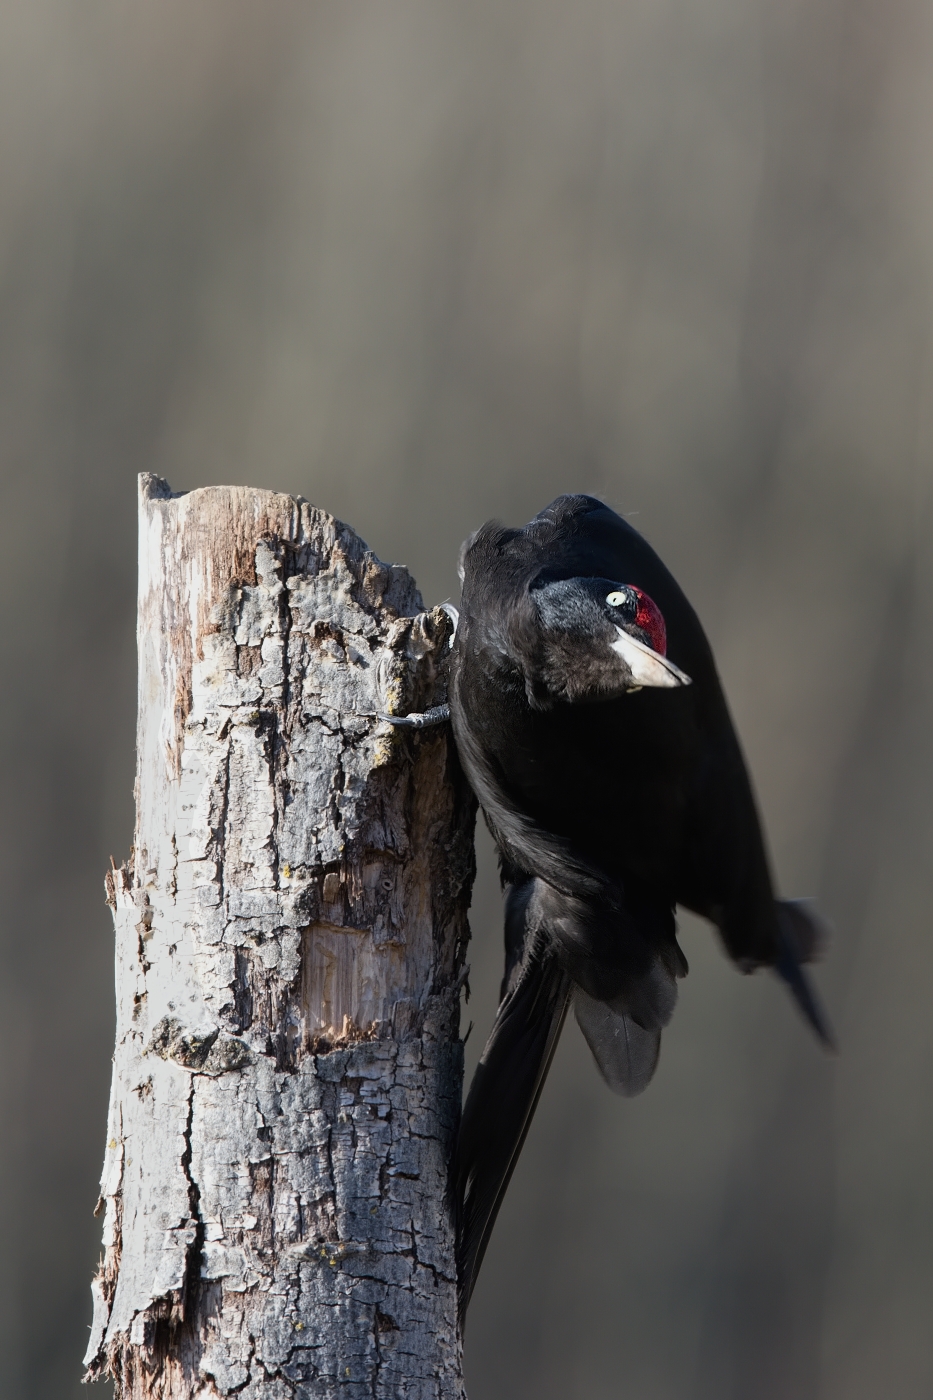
290, 936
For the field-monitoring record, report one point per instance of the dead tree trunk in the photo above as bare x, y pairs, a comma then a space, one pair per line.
290, 933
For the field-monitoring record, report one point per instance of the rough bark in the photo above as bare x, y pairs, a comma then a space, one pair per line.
290, 933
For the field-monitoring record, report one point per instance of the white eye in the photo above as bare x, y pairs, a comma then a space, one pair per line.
615, 600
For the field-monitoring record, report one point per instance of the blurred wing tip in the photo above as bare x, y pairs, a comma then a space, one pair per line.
805, 996
807, 931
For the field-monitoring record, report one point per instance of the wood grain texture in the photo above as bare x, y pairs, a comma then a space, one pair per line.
290, 934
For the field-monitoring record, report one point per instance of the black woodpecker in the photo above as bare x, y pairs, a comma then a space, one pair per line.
593, 728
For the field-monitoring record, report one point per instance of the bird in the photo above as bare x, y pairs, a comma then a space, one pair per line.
592, 726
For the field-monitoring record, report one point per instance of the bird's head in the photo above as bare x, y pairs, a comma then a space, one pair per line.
595, 639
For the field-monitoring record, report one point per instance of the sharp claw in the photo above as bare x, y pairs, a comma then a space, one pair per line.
454, 615
438, 714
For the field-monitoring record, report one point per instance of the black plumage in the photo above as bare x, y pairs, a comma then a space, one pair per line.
613, 783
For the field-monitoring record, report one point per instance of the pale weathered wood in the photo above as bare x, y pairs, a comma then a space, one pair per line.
290, 933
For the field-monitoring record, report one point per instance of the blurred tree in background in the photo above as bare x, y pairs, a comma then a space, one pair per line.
427, 265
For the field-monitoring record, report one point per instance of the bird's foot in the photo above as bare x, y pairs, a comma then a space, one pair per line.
454, 615
438, 714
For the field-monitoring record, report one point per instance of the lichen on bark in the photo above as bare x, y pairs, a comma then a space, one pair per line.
290, 936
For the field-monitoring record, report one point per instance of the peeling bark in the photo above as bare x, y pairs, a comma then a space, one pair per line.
290, 934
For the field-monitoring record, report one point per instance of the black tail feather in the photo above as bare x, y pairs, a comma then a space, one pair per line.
502, 1101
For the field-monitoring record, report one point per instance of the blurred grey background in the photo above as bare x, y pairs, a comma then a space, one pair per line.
427, 263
